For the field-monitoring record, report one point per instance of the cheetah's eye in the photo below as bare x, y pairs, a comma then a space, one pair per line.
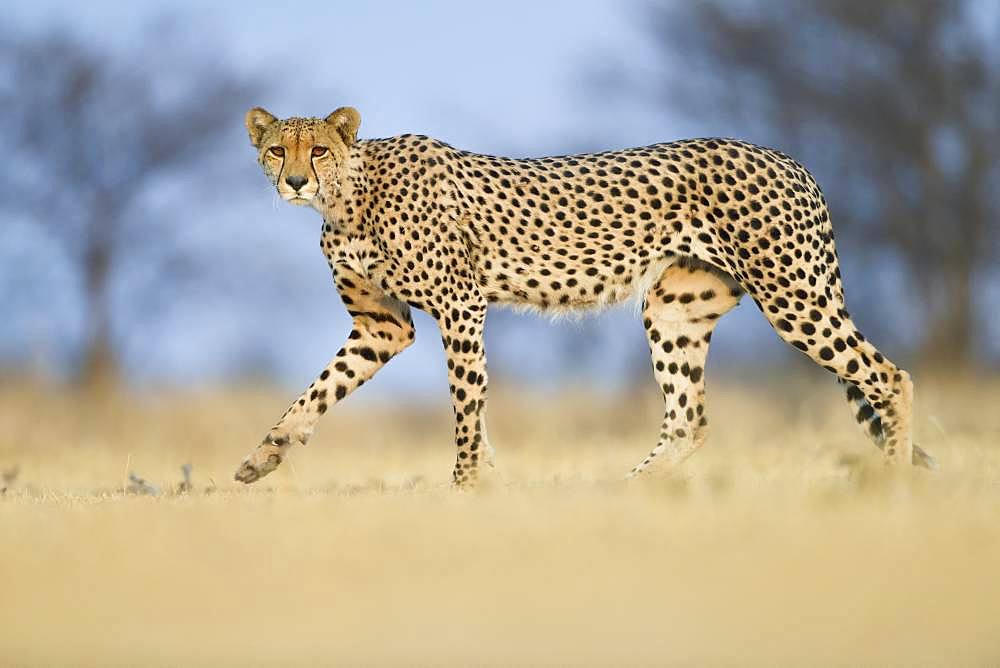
277, 151
318, 151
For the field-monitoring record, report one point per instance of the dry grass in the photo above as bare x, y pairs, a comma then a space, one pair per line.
783, 541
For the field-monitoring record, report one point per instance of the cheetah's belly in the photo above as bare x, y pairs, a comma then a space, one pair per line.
547, 281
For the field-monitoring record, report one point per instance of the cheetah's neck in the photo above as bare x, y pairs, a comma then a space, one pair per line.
342, 209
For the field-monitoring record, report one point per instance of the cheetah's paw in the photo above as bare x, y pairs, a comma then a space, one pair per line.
261, 461
267, 457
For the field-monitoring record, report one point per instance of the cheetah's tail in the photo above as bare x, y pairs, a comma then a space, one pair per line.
870, 421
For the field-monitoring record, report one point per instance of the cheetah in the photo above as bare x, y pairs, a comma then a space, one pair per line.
688, 227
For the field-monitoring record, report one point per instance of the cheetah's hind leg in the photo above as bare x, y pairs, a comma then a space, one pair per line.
815, 322
871, 424
679, 314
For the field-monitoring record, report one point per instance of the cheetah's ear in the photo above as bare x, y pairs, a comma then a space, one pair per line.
346, 121
258, 120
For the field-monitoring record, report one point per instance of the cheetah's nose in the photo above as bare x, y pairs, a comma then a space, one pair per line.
296, 182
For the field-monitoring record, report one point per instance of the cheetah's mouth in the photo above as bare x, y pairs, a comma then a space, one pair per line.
298, 199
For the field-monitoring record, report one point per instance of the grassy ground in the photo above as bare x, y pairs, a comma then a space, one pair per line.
783, 541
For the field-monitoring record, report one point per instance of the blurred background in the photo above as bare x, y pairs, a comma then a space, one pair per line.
150, 276
139, 241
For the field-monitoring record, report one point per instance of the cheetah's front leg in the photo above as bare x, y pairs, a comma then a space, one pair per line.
382, 328
462, 335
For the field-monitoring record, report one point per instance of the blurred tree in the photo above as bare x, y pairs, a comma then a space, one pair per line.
86, 131
896, 104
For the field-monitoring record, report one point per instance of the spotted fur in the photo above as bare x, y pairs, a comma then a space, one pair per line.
689, 226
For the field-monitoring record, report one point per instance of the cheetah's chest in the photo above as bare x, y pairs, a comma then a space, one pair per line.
357, 255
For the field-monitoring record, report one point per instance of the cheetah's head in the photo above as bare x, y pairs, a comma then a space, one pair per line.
302, 156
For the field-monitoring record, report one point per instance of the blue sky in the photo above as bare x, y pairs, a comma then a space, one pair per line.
487, 76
